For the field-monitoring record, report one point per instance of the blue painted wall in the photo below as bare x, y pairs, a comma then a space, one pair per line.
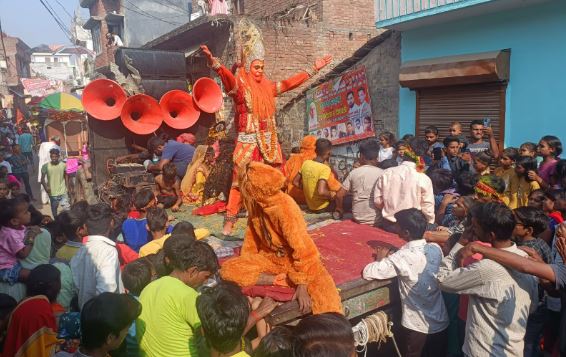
536, 35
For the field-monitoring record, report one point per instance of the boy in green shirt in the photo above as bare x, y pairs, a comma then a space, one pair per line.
169, 324
56, 184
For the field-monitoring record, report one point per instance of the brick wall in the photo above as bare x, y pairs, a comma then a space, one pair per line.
258, 8
382, 70
18, 60
101, 8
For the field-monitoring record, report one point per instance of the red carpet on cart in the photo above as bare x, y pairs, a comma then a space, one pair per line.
345, 247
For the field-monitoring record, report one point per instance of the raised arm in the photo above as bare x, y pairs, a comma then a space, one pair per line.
492, 142
301, 77
512, 261
227, 78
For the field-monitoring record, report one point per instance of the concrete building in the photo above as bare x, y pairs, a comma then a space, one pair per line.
69, 64
469, 59
135, 22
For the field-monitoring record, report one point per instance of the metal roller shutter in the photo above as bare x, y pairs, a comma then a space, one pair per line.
441, 106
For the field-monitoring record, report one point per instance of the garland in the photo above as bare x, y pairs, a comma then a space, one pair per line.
413, 157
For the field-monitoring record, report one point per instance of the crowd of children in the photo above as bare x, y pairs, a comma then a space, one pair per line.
481, 224
442, 197
93, 290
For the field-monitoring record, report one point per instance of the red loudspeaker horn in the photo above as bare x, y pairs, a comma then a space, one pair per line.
180, 112
104, 99
207, 95
142, 114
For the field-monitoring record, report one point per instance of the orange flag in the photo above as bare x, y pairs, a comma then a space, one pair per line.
19, 116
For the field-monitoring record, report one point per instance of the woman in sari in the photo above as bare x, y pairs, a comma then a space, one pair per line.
32, 330
198, 157
197, 174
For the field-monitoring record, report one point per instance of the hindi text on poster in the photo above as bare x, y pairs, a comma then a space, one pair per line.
340, 109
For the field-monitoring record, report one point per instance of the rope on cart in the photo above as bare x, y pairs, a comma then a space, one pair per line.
374, 328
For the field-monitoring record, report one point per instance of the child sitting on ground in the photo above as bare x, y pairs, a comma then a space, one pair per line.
156, 226
425, 319
182, 228
134, 230
168, 188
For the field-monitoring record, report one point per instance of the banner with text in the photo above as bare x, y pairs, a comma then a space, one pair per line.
340, 109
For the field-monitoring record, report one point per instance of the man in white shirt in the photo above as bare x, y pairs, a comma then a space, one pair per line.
425, 319
95, 267
361, 184
500, 299
404, 187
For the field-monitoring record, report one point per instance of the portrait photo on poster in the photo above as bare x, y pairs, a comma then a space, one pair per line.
340, 109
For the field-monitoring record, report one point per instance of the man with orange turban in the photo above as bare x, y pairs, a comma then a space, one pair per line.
254, 103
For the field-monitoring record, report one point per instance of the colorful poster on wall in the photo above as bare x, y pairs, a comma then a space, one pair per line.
38, 87
340, 109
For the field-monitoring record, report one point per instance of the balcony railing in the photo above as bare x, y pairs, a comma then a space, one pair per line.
396, 11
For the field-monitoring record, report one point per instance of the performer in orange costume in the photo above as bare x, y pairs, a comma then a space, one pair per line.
294, 164
254, 103
277, 247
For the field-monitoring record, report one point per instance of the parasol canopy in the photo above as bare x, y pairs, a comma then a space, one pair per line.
62, 102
